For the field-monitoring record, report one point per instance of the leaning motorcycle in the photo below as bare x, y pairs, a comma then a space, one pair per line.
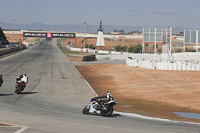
94, 108
20, 87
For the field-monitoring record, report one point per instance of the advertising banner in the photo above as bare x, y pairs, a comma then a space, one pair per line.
34, 34
49, 35
63, 35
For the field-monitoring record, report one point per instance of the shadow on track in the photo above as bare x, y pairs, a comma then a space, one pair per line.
6, 94
115, 115
26, 93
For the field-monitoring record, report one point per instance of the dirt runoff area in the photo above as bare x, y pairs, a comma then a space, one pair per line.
155, 93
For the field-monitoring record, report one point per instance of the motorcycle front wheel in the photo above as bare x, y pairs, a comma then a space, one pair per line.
108, 112
86, 110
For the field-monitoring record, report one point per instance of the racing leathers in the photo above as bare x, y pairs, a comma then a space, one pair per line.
103, 99
22, 77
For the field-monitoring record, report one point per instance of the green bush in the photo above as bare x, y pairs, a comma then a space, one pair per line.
90, 46
120, 48
135, 49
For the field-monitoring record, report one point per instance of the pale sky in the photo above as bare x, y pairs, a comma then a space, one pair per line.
175, 13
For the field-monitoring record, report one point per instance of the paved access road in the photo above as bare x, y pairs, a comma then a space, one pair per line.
55, 96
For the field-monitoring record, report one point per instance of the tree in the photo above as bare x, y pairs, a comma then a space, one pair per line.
131, 49
121, 30
92, 46
135, 49
138, 48
3, 37
120, 48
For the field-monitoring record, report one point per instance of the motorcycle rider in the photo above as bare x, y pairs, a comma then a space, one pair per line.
101, 99
22, 77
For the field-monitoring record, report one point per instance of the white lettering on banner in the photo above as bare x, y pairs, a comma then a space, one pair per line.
62, 35
35, 34
49, 35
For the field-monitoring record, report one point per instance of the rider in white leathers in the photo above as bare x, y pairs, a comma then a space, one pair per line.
22, 77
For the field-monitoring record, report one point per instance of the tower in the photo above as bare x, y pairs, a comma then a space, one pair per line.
100, 29
100, 38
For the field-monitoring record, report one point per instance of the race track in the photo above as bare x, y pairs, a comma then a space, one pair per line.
54, 98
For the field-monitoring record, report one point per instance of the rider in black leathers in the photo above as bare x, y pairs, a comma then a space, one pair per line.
101, 99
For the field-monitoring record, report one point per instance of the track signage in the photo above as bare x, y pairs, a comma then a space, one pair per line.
34, 34
63, 35
49, 35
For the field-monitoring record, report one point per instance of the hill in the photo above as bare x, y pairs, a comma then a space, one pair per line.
75, 28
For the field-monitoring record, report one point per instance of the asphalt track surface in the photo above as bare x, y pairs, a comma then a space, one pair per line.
54, 98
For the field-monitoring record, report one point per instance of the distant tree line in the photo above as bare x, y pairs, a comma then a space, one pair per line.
3, 38
122, 31
115, 30
90, 46
132, 49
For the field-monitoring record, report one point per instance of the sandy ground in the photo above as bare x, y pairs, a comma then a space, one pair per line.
112, 42
155, 93
16, 37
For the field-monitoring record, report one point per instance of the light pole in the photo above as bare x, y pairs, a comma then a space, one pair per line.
13, 25
84, 34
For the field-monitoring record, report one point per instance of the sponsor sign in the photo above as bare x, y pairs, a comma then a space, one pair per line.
34, 34
63, 35
49, 35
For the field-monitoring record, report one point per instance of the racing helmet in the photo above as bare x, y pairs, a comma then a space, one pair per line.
108, 96
108, 93
24, 73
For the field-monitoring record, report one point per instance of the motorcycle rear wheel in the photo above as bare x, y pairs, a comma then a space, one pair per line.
18, 90
108, 112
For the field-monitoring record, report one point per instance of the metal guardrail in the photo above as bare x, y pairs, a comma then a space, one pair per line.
6, 51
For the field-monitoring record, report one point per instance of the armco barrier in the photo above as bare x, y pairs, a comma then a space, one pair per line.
5, 51
9, 50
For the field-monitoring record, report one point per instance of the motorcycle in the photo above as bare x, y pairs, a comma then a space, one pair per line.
20, 87
96, 108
